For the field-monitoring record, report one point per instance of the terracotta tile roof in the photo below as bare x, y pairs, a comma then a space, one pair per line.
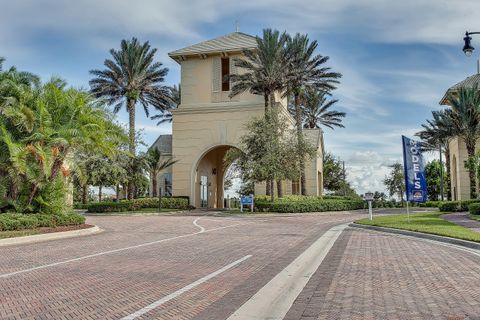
235, 41
470, 82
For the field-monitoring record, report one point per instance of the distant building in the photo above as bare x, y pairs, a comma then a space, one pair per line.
460, 181
208, 123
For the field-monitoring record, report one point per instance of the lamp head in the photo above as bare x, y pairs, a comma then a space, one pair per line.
467, 48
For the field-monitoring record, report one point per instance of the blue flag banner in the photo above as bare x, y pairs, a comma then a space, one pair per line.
414, 166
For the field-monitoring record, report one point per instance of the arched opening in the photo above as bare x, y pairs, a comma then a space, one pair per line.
209, 178
454, 178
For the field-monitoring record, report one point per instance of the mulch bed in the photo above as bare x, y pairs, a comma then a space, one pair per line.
61, 228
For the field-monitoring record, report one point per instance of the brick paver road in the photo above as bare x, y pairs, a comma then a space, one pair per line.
138, 261
373, 275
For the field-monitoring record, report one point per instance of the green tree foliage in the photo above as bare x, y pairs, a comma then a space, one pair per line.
395, 181
316, 111
130, 77
433, 173
332, 173
268, 151
306, 71
40, 127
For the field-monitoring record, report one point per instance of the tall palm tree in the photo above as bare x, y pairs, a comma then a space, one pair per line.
166, 115
435, 135
2, 60
316, 113
265, 68
132, 76
306, 70
265, 73
155, 165
464, 120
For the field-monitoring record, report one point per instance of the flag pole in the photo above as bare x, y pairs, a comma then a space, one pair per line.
408, 211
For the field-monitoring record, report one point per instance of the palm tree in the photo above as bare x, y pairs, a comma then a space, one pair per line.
2, 60
265, 68
435, 135
155, 165
316, 113
464, 120
265, 73
166, 115
132, 76
306, 70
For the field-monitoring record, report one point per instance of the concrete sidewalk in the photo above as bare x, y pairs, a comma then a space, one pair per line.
462, 219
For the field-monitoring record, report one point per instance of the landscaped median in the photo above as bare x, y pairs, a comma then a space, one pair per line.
298, 204
18, 224
428, 222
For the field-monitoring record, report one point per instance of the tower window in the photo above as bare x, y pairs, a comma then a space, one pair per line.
225, 74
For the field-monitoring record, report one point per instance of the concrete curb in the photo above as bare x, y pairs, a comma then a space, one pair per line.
274, 299
457, 242
49, 236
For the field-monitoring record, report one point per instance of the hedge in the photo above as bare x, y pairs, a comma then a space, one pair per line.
137, 204
455, 206
18, 221
291, 204
474, 208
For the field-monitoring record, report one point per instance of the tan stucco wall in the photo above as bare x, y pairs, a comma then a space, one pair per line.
458, 156
208, 118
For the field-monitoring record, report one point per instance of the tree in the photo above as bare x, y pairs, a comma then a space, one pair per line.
332, 173
435, 136
166, 115
316, 111
267, 151
305, 71
155, 165
265, 68
433, 173
40, 127
464, 120
132, 76
395, 181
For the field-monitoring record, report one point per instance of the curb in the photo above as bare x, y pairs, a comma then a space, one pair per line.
49, 236
457, 242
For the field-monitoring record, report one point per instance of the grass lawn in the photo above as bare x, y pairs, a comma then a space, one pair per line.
41, 230
19, 233
428, 222
474, 217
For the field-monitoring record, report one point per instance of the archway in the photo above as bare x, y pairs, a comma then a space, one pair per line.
209, 175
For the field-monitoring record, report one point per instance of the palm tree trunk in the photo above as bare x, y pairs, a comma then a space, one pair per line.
33, 191
267, 188
471, 168
154, 184
279, 189
447, 165
272, 191
131, 141
100, 193
265, 97
301, 162
84, 193
117, 192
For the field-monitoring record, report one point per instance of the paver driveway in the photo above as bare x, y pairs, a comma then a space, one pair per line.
139, 266
139, 260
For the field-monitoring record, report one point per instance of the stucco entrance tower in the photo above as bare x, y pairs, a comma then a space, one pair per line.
208, 123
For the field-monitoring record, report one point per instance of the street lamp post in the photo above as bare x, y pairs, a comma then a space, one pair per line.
468, 48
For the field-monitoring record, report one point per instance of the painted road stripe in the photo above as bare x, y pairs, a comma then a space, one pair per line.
275, 299
6, 275
189, 287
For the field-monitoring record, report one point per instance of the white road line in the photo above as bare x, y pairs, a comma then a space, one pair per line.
6, 275
202, 229
175, 294
275, 299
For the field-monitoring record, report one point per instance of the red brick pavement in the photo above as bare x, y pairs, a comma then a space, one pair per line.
113, 285
372, 275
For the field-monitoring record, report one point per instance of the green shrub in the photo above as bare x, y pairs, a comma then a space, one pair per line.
137, 204
17, 221
291, 204
455, 206
474, 208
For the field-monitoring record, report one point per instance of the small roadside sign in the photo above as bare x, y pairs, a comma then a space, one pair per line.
247, 201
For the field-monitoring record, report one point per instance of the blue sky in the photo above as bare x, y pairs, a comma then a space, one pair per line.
397, 58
